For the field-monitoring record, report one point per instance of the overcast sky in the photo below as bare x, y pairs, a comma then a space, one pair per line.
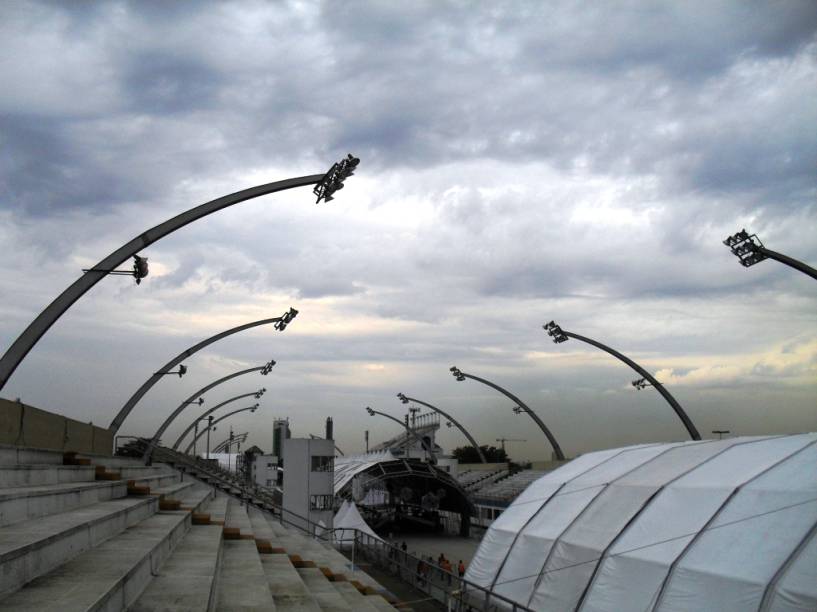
521, 162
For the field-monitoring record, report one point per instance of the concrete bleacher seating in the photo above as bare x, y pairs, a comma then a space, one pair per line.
508, 488
108, 533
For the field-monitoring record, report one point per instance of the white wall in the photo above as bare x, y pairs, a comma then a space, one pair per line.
302, 484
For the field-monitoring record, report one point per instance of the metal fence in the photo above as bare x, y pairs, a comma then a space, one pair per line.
457, 594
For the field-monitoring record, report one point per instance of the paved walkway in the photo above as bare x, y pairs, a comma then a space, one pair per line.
453, 547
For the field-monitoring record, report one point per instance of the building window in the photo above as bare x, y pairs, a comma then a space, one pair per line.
321, 463
321, 502
269, 482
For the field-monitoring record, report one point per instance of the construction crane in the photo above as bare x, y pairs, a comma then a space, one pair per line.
503, 440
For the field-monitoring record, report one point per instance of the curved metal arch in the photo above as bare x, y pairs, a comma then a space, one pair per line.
37, 328
690, 427
158, 435
790, 261
207, 413
409, 430
453, 420
213, 424
557, 450
125, 410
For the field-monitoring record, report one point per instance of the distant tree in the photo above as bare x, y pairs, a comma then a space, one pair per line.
468, 454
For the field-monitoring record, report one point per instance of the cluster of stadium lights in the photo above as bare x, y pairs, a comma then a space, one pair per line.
747, 248
641, 383
181, 371
260, 392
267, 367
457, 373
555, 332
332, 181
286, 319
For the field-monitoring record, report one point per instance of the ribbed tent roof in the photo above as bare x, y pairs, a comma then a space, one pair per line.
347, 468
711, 525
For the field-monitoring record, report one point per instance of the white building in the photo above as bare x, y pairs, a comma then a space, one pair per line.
309, 481
265, 470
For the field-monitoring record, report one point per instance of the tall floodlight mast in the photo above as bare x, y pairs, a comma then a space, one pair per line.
405, 399
559, 335
280, 324
409, 431
264, 369
204, 415
157, 436
325, 185
750, 250
557, 450
212, 426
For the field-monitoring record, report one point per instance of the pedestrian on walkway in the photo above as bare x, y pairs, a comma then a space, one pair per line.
461, 569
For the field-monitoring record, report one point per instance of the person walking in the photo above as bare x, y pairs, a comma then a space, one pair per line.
447, 569
461, 569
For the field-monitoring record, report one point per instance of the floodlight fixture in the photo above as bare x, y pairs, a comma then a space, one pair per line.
260, 392
555, 332
517, 409
456, 373
181, 371
746, 247
370, 411
641, 383
139, 271
199, 401
286, 319
449, 424
403, 398
267, 367
559, 335
332, 181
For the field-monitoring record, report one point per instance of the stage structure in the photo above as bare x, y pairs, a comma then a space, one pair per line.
402, 494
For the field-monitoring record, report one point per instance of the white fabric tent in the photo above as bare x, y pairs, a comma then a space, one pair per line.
348, 520
711, 525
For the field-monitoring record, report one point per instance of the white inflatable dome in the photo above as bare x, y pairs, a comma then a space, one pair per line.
711, 525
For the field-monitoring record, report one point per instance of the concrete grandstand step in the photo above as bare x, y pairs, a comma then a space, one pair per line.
156, 481
34, 547
31, 475
288, 589
175, 490
129, 472
23, 503
108, 577
356, 599
17, 455
237, 523
187, 580
242, 583
324, 592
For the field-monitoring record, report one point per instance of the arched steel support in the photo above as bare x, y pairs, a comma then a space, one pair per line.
214, 423
408, 429
125, 410
158, 435
557, 450
554, 330
790, 261
405, 399
207, 413
37, 328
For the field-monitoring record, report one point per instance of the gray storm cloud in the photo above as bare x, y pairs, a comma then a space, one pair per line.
521, 162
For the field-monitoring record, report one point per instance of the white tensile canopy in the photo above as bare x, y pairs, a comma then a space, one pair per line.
711, 525
348, 518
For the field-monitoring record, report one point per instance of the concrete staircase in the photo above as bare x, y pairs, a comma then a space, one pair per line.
108, 533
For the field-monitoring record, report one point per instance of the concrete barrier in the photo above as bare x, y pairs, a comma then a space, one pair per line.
26, 426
